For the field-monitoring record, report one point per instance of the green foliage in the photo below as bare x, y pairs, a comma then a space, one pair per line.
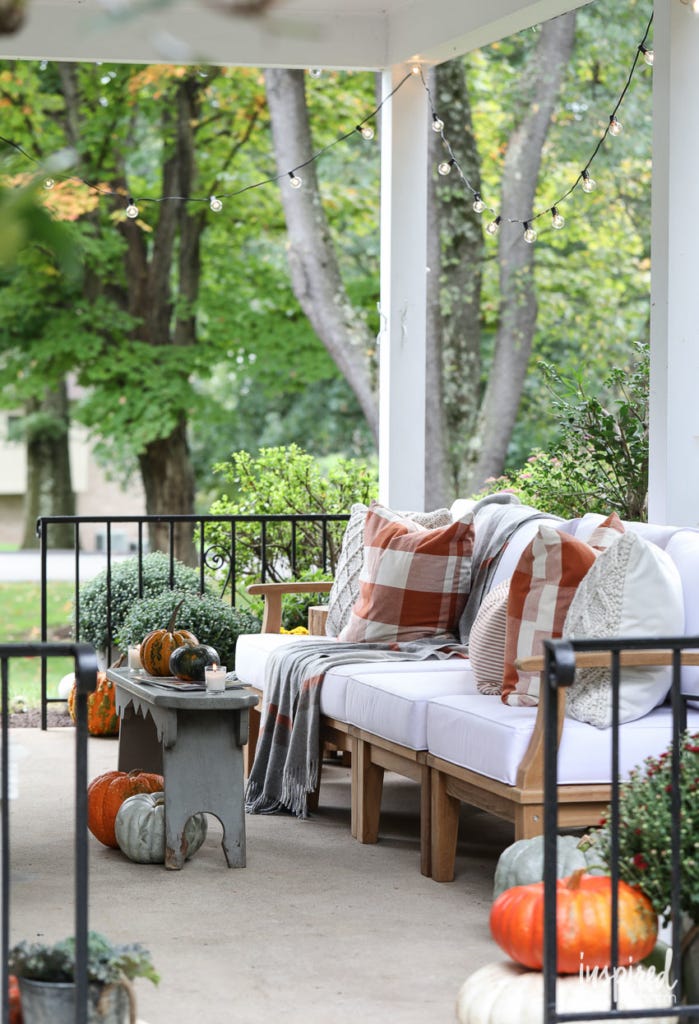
107, 962
212, 621
282, 481
645, 838
600, 463
124, 591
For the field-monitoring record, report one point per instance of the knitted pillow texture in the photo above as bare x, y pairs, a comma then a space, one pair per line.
345, 588
486, 644
633, 589
414, 582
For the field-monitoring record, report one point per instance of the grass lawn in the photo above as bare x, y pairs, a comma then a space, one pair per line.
21, 615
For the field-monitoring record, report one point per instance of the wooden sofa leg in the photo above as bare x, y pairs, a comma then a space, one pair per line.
445, 828
369, 789
426, 821
529, 821
253, 736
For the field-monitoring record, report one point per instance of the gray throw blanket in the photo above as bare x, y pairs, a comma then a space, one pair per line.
496, 518
287, 757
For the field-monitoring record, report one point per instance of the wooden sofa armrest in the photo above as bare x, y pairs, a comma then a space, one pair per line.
273, 593
530, 774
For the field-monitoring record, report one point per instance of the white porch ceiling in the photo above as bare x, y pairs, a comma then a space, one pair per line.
292, 33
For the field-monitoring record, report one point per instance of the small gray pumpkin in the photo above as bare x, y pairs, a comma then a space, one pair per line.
140, 829
523, 862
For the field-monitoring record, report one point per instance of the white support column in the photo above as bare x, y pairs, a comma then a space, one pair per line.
402, 343
674, 406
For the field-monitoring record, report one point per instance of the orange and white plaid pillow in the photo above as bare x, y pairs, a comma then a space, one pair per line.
541, 589
414, 581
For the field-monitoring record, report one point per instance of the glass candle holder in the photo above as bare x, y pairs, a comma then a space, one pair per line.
134, 658
215, 678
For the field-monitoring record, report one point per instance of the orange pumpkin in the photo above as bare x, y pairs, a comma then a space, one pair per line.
14, 999
583, 923
107, 792
157, 647
102, 717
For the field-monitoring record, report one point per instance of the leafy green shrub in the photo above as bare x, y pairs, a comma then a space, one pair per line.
212, 620
124, 591
287, 481
600, 463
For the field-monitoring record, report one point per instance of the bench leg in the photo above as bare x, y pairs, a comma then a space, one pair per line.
529, 821
445, 828
369, 790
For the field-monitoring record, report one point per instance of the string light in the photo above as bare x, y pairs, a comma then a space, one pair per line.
588, 184
444, 168
648, 55
529, 234
557, 219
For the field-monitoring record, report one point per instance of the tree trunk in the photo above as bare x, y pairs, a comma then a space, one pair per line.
49, 490
168, 479
518, 308
315, 275
455, 257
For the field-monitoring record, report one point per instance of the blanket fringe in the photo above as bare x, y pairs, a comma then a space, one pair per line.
294, 795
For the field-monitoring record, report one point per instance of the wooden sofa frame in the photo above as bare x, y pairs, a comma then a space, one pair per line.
443, 785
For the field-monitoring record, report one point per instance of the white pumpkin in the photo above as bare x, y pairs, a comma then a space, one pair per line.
523, 862
140, 829
66, 685
505, 993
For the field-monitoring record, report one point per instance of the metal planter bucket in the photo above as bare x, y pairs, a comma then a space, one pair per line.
45, 1002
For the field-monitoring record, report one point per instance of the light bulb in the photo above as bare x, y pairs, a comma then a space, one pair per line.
478, 204
366, 131
445, 167
49, 183
494, 226
315, 72
294, 180
415, 69
648, 55
615, 127
131, 210
437, 124
529, 233
557, 219
588, 184
215, 205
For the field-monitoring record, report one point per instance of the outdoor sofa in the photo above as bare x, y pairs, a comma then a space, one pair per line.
444, 723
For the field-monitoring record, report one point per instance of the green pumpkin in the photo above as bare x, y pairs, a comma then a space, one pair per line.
523, 862
140, 829
188, 662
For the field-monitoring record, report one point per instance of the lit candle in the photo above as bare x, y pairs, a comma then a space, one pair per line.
135, 659
215, 678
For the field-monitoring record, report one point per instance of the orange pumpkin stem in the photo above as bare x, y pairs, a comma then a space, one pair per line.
574, 879
171, 624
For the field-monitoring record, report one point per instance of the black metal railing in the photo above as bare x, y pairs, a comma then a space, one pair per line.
225, 549
559, 673
85, 660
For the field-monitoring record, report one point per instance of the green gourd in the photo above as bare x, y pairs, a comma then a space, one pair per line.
523, 862
140, 829
188, 662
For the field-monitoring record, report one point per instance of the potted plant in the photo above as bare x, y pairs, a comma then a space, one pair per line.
645, 844
46, 975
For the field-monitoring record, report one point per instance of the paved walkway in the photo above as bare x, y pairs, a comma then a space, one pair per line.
25, 566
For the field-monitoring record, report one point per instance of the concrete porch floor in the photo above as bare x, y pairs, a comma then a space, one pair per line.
316, 928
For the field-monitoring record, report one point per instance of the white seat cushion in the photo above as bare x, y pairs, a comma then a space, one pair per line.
481, 733
393, 705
